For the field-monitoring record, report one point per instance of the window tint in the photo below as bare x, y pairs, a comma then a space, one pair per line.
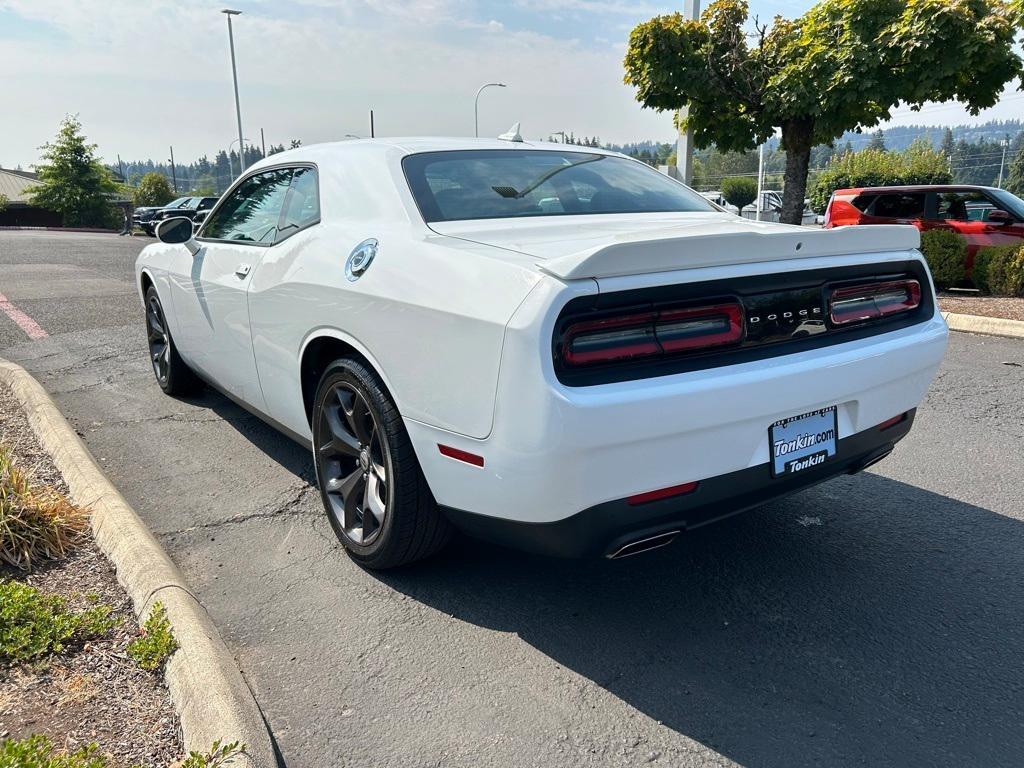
506, 183
899, 206
207, 202
251, 213
964, 206
862, 202
303, 203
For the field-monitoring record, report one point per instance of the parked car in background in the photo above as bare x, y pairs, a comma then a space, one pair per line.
143, 215
189, 209
556, 348
983, 215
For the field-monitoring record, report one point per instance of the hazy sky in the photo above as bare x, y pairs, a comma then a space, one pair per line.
145, 74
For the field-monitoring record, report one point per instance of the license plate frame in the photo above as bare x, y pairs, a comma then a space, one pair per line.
818, 430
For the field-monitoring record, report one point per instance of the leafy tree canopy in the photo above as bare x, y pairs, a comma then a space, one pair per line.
4, 202
74, 182
843, 64
153, 189
740, 191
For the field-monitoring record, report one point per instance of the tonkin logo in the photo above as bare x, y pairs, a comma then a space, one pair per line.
808, 461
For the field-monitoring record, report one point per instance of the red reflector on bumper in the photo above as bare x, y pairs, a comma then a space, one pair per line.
663, 493
466, 456
892, 422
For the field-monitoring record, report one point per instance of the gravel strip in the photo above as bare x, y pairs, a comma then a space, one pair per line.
94, 693
986, 306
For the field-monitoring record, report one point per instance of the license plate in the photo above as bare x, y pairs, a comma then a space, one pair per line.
802, 442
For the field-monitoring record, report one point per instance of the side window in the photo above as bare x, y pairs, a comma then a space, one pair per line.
899, 206
964, 206
250, 214
303, 203
206, 203
863, 202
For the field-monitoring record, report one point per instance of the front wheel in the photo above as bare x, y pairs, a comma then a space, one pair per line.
172, 373
370, 481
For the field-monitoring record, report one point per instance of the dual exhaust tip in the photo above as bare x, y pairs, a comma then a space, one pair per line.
645, 544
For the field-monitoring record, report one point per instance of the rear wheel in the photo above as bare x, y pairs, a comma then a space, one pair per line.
172, 374
371, 484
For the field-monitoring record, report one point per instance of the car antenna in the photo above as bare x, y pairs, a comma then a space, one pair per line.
512, 134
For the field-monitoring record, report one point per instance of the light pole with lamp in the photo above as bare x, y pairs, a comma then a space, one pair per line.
241, 156
476, 105
234, 76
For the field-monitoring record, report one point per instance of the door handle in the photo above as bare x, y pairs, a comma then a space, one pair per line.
242, 271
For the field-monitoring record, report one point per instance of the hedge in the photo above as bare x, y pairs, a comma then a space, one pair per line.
999, 270
946, 254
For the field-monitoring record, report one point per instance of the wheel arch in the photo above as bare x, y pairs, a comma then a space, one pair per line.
320, 349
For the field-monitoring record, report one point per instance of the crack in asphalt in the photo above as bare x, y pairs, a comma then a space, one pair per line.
290, 508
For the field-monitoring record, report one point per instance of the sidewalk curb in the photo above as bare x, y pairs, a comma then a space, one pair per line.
211, 698
992, 326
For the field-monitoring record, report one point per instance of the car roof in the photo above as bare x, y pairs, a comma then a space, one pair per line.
410, 145
918, 188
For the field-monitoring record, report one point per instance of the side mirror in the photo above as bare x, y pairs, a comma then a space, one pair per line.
176, 231
999, 218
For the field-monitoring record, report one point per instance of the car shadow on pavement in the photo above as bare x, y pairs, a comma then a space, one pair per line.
865, 621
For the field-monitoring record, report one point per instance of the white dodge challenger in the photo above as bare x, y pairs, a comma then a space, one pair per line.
556, 348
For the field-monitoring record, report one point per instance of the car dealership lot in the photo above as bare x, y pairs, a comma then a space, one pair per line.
873, 620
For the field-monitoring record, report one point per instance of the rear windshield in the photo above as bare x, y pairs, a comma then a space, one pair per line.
511, 183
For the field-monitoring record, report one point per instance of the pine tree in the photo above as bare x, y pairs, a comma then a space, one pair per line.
877, 141
74, 182
1015, 177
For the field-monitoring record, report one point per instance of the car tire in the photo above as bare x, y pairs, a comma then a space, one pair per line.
371, 484
171, 372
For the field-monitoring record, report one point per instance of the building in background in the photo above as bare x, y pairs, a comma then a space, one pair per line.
15, 186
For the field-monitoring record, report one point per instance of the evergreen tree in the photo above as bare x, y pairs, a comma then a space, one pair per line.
1015, 177
74, 182
877, 141
947, 143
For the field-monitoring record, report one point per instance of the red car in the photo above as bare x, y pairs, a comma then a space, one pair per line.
983, 215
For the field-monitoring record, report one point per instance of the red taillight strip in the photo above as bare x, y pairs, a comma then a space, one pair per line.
649, 334
662, 493
892, 422
871, 301
460, 455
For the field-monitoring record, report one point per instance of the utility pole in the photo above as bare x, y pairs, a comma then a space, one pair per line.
1002, 162
760, 182
263, 142
174, 173
234, 76
684, 142
371, 124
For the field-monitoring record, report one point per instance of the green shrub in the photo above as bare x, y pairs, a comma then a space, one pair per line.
918, 164
37, 752
999, 270
218, 755
740, 191
34, 624
946, 254
156, 642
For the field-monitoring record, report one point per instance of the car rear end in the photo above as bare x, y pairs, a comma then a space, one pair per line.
631, 407
843, 209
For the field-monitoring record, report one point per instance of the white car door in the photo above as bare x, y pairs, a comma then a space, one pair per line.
208, 290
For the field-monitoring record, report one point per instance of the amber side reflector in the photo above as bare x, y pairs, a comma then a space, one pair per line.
459, 455
663, 493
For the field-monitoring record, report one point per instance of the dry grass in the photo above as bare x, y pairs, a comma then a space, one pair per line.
36, 522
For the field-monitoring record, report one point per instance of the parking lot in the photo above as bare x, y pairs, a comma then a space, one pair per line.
873, 620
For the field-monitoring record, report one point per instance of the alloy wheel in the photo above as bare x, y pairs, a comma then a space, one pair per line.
159, 341
352, 461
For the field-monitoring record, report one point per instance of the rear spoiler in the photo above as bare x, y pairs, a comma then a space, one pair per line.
728, 243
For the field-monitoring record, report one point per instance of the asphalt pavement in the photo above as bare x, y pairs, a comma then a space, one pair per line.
875, 620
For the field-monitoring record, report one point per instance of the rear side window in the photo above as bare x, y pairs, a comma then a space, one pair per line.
251, 213
862, 202
302, 207
899, 206
516, 183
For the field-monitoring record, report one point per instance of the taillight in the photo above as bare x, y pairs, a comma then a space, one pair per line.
871, 301
651, 334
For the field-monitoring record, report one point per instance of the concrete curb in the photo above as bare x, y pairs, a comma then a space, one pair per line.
993, 326
209, 694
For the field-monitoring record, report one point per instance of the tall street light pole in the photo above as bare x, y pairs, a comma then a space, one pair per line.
684, 142
234, 76
1002, 162
476, 105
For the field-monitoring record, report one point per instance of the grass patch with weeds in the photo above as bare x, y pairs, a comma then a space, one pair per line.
36, 522
34, 624
156, 642
38, 752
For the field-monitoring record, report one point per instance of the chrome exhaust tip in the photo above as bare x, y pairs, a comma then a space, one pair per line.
643, 545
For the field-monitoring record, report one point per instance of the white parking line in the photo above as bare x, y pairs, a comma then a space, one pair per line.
26, 323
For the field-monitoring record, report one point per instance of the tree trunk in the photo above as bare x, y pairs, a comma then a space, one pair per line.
796, 140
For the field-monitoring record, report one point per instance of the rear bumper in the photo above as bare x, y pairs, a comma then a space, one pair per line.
605, 528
